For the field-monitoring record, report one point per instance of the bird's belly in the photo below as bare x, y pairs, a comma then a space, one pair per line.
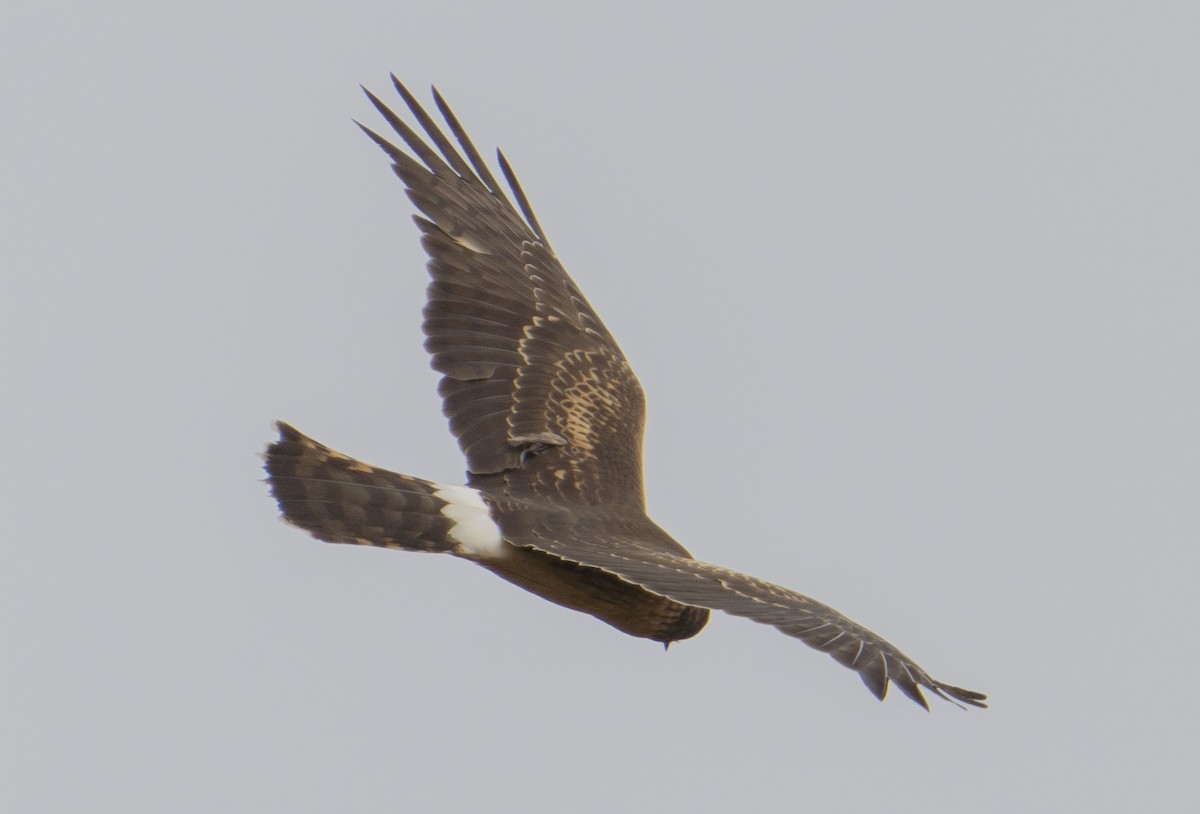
627, 607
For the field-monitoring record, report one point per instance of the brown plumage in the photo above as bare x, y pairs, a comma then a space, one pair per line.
549, 416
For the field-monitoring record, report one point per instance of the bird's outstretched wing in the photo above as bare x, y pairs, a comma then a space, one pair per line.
703, 585
527, 365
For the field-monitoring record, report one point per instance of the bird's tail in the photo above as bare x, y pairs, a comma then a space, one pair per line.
340, 500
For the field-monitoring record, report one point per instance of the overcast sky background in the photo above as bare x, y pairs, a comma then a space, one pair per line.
913, 290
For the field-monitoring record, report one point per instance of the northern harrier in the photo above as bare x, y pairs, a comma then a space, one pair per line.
549, 416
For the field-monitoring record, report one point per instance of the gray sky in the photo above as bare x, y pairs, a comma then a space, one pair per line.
912, 291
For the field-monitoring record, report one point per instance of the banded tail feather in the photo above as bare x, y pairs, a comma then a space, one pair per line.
338, 499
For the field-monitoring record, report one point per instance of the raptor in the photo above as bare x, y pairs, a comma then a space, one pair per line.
549, 417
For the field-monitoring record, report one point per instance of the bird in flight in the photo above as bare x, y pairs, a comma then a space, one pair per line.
549, 416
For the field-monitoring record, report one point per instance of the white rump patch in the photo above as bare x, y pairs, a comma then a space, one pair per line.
474, 529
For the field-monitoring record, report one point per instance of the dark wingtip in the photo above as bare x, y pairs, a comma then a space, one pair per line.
522, 201
371, 134
951, 693
876, 682
376, 101
392, 150
404, 92
915, 694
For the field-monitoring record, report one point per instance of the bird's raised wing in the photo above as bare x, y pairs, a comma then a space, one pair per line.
531, 377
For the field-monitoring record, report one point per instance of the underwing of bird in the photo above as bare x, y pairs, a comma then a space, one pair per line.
549, 417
